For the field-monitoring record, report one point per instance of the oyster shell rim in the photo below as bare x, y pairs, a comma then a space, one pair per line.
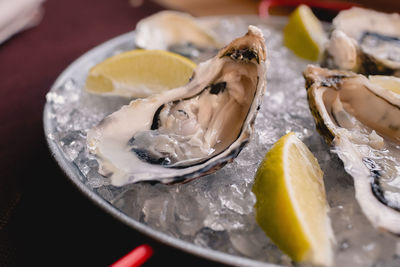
124, 167
366, 179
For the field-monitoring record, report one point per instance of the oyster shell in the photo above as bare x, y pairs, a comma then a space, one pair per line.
178, 32
190, 131
364, 41
362, 121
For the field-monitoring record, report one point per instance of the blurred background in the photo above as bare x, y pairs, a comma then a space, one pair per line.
215, 7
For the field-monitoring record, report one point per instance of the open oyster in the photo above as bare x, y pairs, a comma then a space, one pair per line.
189, 131
361, 119
365, 41
178, 32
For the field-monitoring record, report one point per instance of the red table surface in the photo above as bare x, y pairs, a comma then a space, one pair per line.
44, 219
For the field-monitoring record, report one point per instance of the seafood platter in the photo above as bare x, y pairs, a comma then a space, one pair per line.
179, 165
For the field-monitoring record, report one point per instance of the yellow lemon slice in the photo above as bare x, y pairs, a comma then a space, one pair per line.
304, 34
291, 206
139, 73
388, 82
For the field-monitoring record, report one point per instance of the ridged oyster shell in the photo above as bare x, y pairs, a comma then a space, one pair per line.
190, 131
364, 41
361, 120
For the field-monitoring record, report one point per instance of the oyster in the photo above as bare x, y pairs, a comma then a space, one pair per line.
361, 119
178, 32
190, 131
364, 41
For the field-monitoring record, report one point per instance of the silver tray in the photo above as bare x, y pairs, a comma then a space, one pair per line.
284, 109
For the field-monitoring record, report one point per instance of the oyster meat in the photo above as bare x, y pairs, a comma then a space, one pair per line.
361, 120
190, 131
364, 41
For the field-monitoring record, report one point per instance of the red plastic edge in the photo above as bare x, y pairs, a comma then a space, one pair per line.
135, 258
265, 5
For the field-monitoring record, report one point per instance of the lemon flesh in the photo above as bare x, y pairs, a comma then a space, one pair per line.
388, 82
291, 206
139, 73
304, 34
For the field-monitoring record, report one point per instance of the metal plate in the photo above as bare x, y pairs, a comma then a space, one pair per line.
78, 71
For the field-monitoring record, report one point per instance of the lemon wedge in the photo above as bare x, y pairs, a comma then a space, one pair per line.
291, 206
139, 73
388, 82
304, 34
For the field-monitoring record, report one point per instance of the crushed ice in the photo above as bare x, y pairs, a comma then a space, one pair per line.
216, 211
